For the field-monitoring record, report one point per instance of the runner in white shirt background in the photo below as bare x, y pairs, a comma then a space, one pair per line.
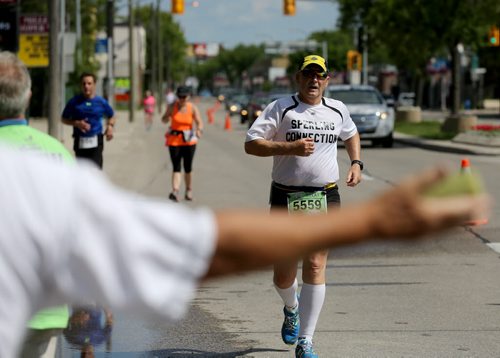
301, 133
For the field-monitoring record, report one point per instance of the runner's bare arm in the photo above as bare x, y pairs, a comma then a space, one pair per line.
168, 114
81, 124
197, 119
353, 148
267, 148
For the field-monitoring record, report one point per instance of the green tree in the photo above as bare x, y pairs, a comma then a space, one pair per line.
238, 60
414, 32
173, 43
339, 42
205, 72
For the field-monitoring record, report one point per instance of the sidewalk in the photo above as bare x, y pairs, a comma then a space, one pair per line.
447, 145
464, 143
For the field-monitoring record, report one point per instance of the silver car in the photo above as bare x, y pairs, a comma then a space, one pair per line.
369, 111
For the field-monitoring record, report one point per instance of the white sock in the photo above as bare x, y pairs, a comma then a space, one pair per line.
311, 303
289, 295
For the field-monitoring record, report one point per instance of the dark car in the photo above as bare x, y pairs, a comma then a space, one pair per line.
258, 103
235, 103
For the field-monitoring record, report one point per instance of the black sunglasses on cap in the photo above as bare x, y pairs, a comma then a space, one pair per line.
314, 74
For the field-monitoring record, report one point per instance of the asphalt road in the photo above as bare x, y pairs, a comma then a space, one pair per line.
434, 298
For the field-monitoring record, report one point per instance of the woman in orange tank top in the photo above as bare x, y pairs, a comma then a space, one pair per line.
186, 127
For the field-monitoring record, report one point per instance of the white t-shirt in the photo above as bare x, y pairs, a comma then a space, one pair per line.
170, 98
69, 236
288, 119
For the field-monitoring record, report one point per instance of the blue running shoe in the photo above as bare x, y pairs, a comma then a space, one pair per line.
291, 325
305, 349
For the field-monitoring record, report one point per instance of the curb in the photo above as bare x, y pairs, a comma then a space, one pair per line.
446, 145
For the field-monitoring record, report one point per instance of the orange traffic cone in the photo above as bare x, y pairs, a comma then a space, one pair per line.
210, 115
465, 166
227, 124
465, 169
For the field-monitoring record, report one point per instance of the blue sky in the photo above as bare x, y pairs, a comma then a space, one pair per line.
230, 22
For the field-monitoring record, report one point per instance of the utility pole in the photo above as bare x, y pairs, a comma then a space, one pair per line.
153, 84
324, 50
62, 73
131, 66
54, 69
160, 57
363, 49
111, 53
456, 79
78, 21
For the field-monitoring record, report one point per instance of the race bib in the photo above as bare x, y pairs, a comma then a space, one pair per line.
308, 203
87, 142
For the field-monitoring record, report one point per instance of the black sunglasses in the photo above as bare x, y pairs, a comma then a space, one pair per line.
315, 74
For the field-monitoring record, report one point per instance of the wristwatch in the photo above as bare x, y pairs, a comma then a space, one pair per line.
358, 162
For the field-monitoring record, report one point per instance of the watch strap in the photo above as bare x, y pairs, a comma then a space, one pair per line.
359, 162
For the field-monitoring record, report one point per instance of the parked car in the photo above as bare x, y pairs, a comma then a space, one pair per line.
257, 104
369, 111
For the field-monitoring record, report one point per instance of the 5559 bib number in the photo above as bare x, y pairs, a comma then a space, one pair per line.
309, 203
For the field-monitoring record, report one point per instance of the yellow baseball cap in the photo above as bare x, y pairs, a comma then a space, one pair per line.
314, 60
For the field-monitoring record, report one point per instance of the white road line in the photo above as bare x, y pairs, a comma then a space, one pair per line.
495, 246
366, 177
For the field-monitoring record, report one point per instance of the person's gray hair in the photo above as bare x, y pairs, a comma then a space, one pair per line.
15, 86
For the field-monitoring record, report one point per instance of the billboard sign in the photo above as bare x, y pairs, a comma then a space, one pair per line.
34, 40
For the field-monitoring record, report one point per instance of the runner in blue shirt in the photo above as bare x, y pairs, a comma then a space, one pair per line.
85, 112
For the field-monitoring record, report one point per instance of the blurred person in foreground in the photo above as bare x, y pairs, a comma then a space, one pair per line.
186, 127
301, 132
64, 242
86, 112
45, 327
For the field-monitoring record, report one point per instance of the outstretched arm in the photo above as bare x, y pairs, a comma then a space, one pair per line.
252, 239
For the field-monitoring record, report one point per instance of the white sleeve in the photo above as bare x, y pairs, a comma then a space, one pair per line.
134, 253
68, 235
348, 126
266, 125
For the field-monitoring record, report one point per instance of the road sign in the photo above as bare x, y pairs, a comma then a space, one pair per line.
34, 40
34, 24
34, 49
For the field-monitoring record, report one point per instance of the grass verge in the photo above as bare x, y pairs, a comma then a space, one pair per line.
426, 129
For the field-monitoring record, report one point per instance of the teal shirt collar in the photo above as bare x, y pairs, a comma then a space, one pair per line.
13, 122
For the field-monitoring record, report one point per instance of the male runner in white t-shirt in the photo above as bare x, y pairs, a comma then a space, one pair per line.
301, 133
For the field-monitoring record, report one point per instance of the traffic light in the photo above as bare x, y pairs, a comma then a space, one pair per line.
354, 60
361, 39
289, 7
494, 36
177, 6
